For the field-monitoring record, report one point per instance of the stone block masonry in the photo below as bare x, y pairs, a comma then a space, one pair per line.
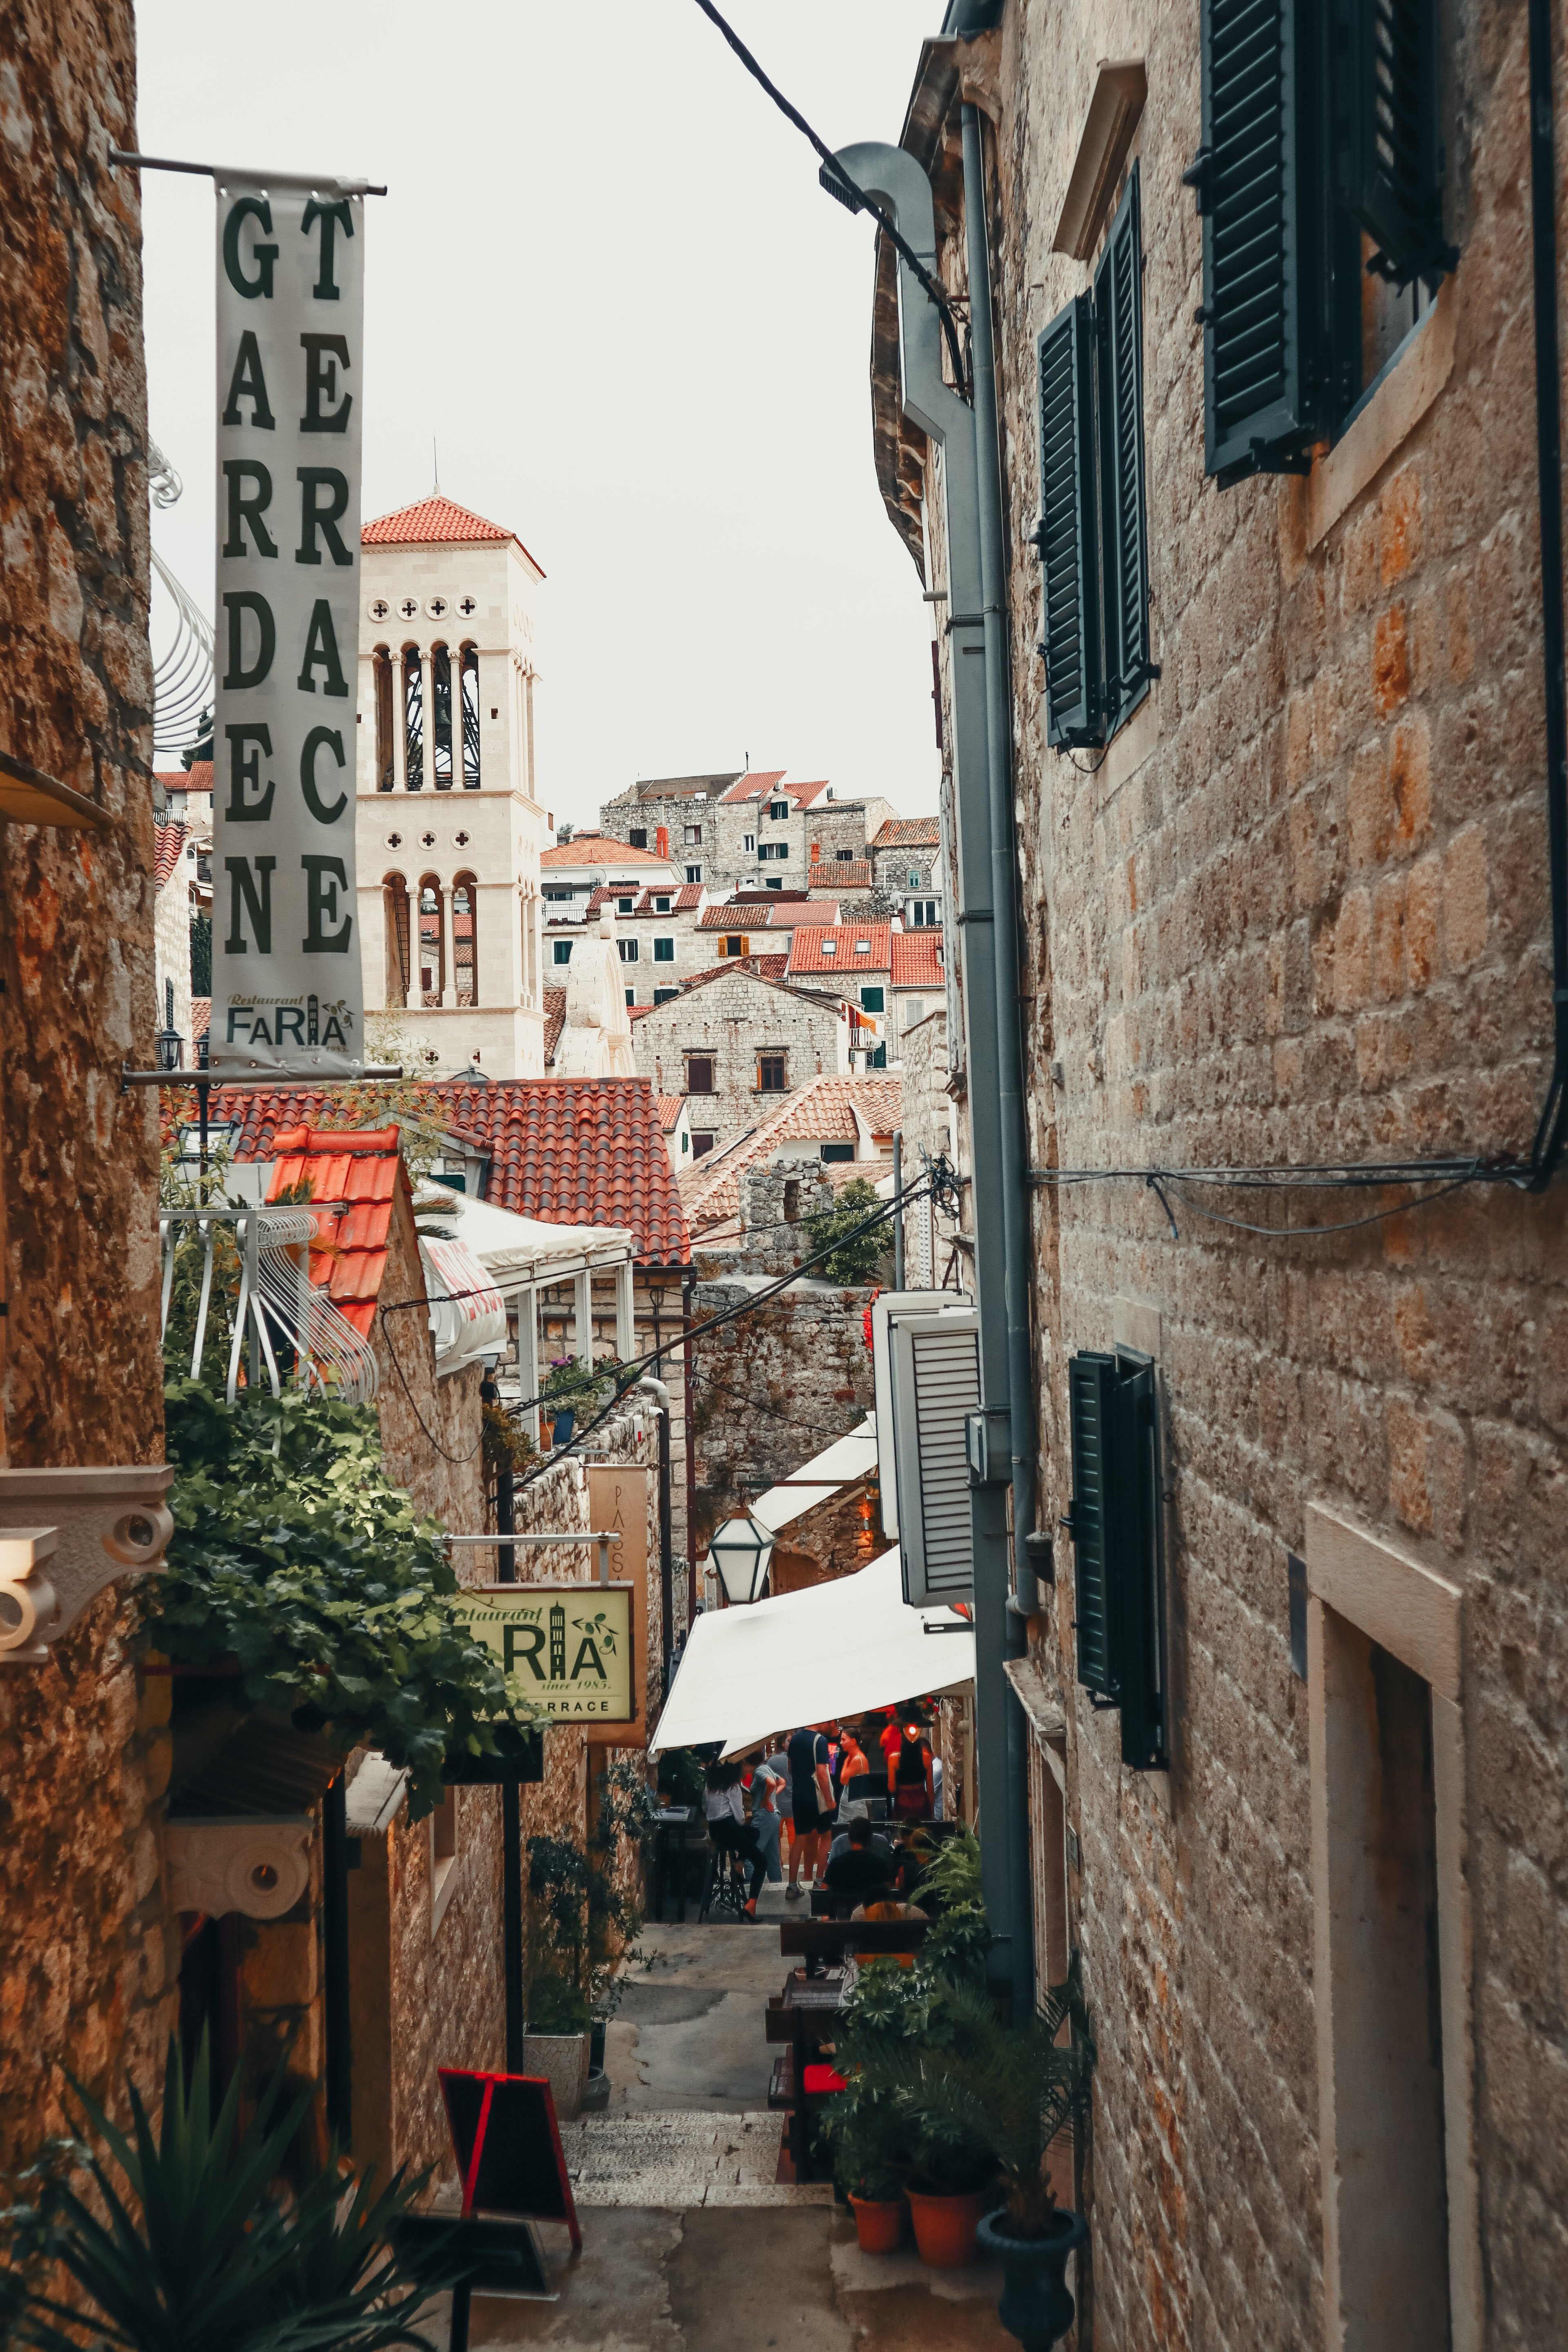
86, 1954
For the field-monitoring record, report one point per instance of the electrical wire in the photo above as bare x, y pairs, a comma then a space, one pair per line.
837, 183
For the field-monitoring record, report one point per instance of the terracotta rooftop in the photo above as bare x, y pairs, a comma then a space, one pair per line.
574, 1151
755, 783
681, 901
598, 849
820, 1111
348, 1256
771, 969
201, 1017
917, 959
844, 873
437, 522
768, 913
169, 842
848, 947
196, 778
670, 1109
909, 833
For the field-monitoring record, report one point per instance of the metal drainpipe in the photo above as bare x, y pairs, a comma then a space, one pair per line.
1024, 1598
897, 179
1003, 889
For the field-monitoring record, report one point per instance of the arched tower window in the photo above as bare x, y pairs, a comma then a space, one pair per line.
384, 673
432, 945
469, 706
413, 716
465, 938
394, 900
441, 723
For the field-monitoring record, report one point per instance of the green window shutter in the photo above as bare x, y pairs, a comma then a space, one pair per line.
1258, 187
1119, 312
1116, 1528
1092, 1390
1070, 639
1388, 146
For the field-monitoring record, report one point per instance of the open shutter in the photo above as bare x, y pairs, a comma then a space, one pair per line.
935, 1384
1070, 638
1389, 173
1119, 307
1256, 180
1091, 1389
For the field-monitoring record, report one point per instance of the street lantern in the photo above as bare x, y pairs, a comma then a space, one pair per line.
170, 1048
741, 1550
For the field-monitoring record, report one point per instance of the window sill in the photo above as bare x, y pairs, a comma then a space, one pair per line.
443, 1887
1392, 410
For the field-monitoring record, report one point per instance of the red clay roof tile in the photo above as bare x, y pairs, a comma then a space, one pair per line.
437, 522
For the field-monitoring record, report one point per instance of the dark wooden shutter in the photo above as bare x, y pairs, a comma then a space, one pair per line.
1116, 1528
1388, 166
1257, 178
1070, 638
1119, 307
1091, 1394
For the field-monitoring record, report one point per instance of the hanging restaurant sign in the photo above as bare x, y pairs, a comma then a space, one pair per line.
570, 1645
287, 990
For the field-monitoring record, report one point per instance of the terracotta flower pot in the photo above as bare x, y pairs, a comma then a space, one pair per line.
945, 2226
879, 2224
1035, 2306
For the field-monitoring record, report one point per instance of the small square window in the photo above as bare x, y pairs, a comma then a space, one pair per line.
863, 946
694, 873
775, 882
748, 843
778, 811
623, 906
838, 1151
702, 1141
637, 836
628, 950
830, 947
844, 857
699, 1074
771, 1077
914, 877
663, 950
872, 1000
661, 906
562, 948
631, 998
693, 833
663, 996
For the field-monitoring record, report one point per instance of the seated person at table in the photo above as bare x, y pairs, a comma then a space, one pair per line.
851, 1812
724, 1811
888, 1907
859, 1874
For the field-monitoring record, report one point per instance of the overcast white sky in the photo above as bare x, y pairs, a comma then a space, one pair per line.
607, 280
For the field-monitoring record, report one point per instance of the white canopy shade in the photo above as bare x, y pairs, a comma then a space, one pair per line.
516, 1251
834, 1650
845, 1461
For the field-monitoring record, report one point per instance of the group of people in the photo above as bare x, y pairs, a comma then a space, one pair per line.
820, 1778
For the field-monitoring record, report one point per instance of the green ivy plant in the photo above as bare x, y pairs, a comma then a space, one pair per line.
294, 1555
856, 1260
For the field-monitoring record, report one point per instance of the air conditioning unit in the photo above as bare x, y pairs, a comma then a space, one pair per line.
926, 1361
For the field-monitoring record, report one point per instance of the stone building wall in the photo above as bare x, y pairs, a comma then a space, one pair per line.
735, 1019
85, 1954
777, 1385
1297, 913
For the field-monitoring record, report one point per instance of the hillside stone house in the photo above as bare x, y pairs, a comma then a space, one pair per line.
1265, 633
733, 1043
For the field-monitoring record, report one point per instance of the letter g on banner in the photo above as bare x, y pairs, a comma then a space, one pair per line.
290, 346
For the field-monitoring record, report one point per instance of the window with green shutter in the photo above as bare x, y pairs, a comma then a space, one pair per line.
1092, 535
1319, 166
1115, 1523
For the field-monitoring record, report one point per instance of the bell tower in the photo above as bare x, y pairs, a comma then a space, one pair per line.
449, 829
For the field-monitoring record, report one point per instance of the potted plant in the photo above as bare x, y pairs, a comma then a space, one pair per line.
188, 2234
579, 1923
868, 2142
1018, 2089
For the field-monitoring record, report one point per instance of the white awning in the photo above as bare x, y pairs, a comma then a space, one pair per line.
810, 1657
846, 1461
516, 1251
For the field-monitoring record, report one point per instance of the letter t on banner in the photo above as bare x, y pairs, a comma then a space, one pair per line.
288, 995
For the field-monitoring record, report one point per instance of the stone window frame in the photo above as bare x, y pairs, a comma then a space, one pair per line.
562, 952
446, 1854
711, 1064
780, 1054
1405, 1608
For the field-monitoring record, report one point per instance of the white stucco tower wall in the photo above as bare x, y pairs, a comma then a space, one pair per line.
445, 593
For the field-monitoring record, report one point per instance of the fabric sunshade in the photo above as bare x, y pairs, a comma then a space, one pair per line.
810, 1657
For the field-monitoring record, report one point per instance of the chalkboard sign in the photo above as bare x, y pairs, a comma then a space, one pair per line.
508, 2145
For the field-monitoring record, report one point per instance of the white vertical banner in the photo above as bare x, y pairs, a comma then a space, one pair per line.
287, 990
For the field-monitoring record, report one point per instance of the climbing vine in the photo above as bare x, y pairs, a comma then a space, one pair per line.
295, 1555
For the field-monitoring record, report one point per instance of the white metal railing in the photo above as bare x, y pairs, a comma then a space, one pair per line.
275, 1300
